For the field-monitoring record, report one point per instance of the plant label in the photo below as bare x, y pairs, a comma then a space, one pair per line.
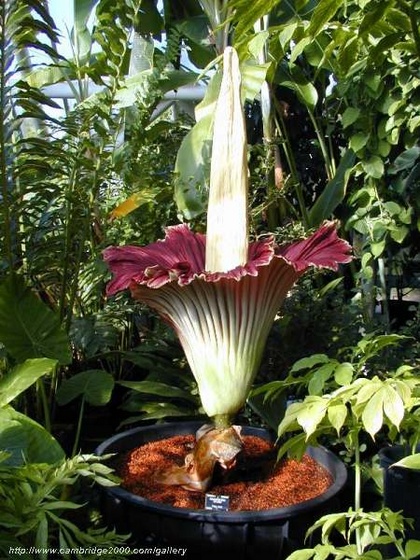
216, 503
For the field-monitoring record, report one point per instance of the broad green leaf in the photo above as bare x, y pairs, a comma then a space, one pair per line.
289, 421
393, 405
412, 549
312, 414
286, 34
404, 161
309, 362
337, 414
383, 148
82, 11
305, 90
378, 248
368, 387
28, 327
157, 388
323, 12
80, 34
192, 169
41, 537
319, 377
294, 446
374, 167
343, 374
358, 141
192, 165
373, 16
253, 76
393, 208
250, 12
15, 382
26, 440
207, 106
94, 385
350, 115
409, 462
334, 192
299, 48
257, 43
150, 21
372, 416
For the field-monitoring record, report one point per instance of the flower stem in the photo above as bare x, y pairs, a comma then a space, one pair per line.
222, 420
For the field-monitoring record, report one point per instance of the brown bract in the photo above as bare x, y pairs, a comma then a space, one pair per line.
213, 446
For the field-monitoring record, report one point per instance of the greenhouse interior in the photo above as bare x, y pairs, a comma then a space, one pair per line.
210, 279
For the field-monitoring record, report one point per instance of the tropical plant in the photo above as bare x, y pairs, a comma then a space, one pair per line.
347, 400
36, 518
64, 168
38, 483
219, 295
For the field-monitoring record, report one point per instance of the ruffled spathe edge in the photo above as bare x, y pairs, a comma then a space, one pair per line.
180, 257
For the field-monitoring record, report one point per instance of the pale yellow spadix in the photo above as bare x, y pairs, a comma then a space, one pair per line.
227, 214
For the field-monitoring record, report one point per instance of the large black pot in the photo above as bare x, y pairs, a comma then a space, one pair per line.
241, 535
401, 486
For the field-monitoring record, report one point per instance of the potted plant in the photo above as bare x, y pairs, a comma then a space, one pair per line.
352, 402
220, 292
401, 479
400, 461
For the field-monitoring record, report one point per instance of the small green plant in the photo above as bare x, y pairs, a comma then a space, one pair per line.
374, 531
350, 400
38, 513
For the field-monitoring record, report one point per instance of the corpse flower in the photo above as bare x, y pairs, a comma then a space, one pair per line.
219, 292
222, 319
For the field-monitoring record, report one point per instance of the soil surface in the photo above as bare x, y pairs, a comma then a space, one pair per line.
256, 483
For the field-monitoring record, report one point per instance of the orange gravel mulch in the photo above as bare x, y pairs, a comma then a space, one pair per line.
256, 483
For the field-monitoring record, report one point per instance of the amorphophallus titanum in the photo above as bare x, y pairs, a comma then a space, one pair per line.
218, 291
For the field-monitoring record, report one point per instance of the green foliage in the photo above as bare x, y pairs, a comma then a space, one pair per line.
94, 386
28, 327
409, 462
22, 376
168, 389
37, 509
376, 529
26, 441
21, 438
344, 400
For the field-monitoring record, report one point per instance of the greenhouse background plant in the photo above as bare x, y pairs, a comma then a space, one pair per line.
298, 93
36, 513
347, 400
68, 167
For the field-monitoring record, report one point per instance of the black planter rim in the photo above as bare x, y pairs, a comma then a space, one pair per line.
325, 457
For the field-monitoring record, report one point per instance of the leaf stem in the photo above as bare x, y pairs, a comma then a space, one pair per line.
79, 428
45, 404
357, 491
